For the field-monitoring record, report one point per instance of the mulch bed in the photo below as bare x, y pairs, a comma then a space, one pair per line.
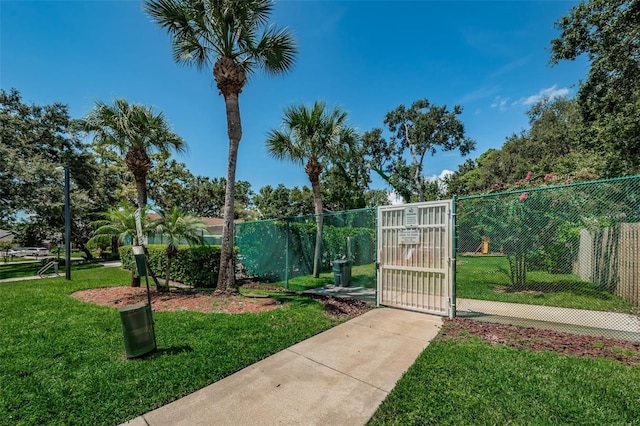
210, 302
537, 339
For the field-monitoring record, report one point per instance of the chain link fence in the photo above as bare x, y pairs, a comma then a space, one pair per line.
283, 250
566, 254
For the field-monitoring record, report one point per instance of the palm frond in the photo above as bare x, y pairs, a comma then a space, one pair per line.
276, 51
176, 225
202, 31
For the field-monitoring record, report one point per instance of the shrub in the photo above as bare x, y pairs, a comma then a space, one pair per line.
194, 266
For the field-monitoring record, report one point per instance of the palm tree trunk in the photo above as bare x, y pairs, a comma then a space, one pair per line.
141, 190
226, 277
166, 282
317, 202
115, 245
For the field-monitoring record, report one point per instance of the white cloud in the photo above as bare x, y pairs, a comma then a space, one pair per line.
500, 103
548, 93
443, 174
394, 199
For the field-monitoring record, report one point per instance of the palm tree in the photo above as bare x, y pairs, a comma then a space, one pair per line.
120, 223
234, 35
312, 137
134, 131
177, 226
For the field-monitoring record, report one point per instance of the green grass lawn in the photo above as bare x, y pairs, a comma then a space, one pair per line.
467, 381
28, 269
486, 278
4, 261
361, 276
62, 361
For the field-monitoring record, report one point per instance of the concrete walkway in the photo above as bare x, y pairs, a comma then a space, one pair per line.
580, 317
338, 377
614, 325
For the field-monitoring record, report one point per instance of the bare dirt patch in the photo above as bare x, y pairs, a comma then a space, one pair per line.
537, 339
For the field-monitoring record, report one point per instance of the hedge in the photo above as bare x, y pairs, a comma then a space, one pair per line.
194, 266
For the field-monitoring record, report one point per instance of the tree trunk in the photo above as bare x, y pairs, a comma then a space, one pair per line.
141, 190
419, 185
86, 251
115, 245
317, 202
166, 281
226, 278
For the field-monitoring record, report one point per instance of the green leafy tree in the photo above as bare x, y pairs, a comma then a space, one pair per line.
168, 181
172, 184
234, 35
312, 137
176, 226
4, 250
281, 202
120, 224
301, 201
205, 197
608, 33
345, 183
134, 131
377, 197
37, 141
552, 144
273, 203
416, 131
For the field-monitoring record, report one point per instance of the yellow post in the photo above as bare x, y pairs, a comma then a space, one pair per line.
485, 245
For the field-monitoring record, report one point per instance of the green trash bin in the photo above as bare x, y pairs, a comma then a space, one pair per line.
137, 326
342, 273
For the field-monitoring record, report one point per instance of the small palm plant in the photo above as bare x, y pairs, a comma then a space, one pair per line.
120, 223
176, 226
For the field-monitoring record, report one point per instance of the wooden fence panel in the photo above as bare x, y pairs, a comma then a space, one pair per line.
610, 257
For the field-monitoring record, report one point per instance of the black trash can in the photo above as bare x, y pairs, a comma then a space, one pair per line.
342, 273
137, 327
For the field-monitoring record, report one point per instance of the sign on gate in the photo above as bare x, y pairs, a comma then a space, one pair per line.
414, 256
409, 236
410, 216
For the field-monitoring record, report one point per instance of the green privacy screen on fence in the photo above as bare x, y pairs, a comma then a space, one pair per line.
570, 245
279, 249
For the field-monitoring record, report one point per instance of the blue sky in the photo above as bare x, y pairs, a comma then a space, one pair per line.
367, 57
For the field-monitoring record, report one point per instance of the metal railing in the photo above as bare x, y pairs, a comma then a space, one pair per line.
53, 264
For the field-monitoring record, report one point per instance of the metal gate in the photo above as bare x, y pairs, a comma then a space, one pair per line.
414, 257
